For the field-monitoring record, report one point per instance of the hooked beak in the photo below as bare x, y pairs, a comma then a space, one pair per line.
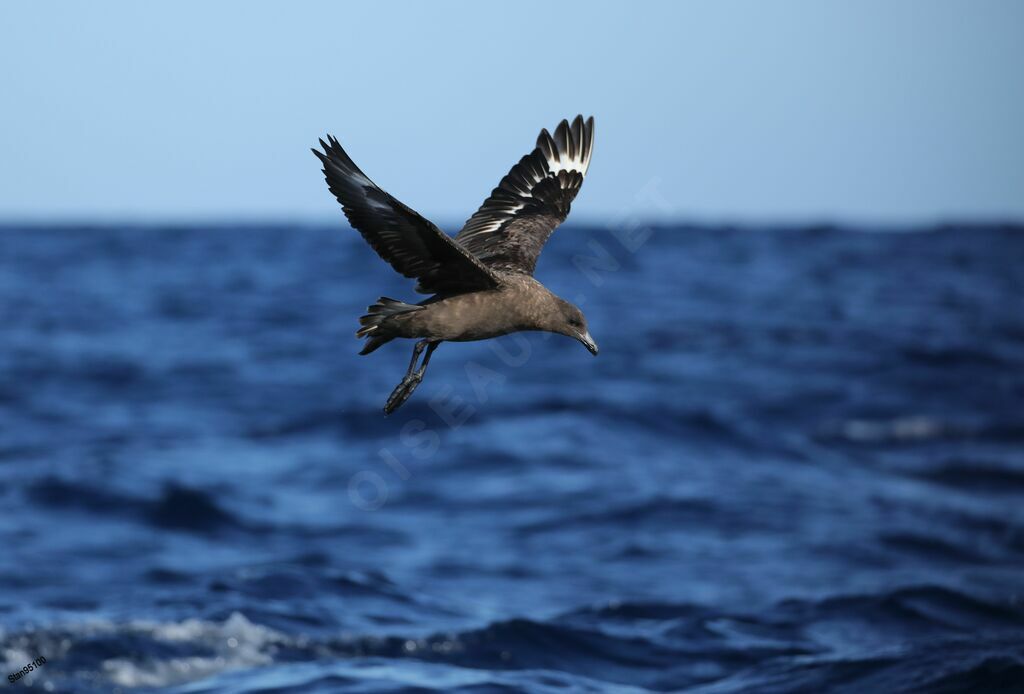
588, 342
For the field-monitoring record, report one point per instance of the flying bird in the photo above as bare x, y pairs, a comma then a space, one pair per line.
481, 281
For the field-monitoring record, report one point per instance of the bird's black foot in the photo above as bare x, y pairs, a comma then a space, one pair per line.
402, 392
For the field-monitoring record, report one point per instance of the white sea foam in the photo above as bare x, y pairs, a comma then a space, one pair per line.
232, 644
235, 643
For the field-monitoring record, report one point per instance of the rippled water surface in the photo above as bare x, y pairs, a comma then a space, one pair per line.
796, 465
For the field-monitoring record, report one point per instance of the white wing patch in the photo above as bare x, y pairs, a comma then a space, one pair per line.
556, 164
577, 160
568, 150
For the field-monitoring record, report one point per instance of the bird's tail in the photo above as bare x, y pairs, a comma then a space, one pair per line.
375, 322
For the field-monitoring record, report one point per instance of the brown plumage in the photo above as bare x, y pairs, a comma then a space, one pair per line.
482, 280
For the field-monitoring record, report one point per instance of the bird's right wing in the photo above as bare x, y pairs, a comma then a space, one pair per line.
512, 226
411, 244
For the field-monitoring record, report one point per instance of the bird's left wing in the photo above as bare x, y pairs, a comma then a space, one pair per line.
412, 245
511, 227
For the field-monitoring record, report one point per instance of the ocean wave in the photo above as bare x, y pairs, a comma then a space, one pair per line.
178, 507
866, 641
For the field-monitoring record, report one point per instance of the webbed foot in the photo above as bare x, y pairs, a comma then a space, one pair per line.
402, 392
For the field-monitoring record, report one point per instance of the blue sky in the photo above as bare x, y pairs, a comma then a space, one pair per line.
900, 112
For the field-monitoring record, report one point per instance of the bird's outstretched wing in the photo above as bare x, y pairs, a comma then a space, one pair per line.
510, 228
412, 245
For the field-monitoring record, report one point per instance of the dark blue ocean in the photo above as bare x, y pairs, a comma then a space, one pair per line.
797, 465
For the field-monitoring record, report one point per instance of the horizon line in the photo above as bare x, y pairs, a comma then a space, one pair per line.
589, 222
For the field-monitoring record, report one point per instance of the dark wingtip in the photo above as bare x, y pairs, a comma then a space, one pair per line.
561, 135
544, 140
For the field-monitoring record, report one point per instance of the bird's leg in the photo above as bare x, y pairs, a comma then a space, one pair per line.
426, 357
412, 377
417, 350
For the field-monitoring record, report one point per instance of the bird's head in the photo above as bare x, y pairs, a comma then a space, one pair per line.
572, 323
